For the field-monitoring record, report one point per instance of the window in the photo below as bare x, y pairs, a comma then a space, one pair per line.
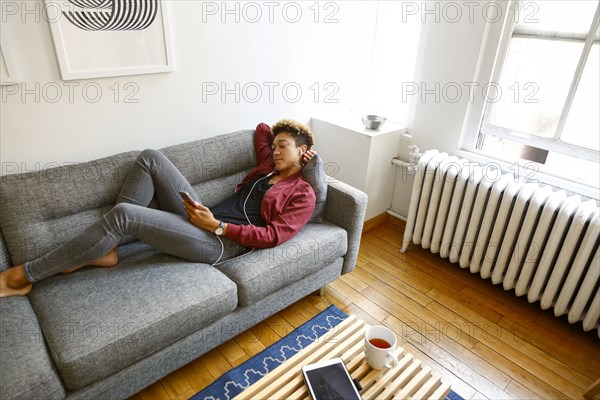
544, 105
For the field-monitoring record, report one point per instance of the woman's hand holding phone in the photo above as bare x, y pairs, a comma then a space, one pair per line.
187, 197
198, 214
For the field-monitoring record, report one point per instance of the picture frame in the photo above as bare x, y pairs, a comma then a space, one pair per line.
8, 70
114, 38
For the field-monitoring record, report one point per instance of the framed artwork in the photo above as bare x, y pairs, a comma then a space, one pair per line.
101, 38
8, 73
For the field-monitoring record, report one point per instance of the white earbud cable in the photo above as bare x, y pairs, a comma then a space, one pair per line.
247, 219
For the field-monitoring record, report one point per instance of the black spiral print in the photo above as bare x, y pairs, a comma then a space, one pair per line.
113, 15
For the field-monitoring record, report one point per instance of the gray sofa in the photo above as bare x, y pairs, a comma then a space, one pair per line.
108, 333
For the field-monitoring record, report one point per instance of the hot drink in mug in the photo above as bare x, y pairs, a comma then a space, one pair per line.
380, 346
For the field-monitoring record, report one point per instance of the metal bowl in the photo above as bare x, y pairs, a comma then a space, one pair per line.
373, 122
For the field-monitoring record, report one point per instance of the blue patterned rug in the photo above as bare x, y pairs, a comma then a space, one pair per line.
233, 382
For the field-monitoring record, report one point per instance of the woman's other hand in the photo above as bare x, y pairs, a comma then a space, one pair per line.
201, 216
307, 156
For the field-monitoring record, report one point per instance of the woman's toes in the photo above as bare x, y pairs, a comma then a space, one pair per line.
8, 289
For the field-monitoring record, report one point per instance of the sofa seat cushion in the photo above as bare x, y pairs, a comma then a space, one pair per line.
99, 320
266, 270
26, 369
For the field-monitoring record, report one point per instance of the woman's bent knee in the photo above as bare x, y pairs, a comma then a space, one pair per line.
122, 211
150, 154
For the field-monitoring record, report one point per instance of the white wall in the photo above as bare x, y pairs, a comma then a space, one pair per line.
449, 60
449, 55
37, 131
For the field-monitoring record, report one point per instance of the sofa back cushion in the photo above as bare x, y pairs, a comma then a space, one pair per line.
41, 210
214, 166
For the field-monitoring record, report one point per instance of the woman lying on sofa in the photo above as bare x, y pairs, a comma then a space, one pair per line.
269, 207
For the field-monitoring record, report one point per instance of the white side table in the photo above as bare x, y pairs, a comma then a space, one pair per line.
360, 157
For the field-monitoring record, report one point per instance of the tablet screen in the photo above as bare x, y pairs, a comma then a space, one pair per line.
332, 383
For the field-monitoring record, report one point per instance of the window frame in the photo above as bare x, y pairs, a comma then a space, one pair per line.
493, 54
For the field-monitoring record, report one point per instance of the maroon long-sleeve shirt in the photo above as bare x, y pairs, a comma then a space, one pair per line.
286, 207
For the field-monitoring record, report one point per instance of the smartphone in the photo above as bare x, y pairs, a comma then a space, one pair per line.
330, 380
186, 196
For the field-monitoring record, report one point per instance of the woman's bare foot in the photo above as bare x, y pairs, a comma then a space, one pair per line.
110, 259
13, 282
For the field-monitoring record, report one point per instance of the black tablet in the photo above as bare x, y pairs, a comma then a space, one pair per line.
330, 380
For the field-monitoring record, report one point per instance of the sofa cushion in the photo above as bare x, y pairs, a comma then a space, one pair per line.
100, 320
26, 369
266, 270
40, 210
215, 157
216, 165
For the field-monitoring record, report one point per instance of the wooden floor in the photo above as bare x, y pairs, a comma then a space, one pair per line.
483, 340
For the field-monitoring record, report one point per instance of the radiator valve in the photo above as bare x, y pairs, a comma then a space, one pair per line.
413, 158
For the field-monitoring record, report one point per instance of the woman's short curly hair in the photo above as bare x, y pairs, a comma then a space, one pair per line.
300, 132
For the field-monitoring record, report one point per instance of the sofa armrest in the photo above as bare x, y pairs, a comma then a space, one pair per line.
346, 208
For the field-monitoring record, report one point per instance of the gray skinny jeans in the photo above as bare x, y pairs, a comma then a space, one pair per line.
167, 229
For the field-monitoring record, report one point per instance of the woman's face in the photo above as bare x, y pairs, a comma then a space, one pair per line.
285, 152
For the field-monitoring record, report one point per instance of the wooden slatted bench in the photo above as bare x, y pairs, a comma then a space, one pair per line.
409, 379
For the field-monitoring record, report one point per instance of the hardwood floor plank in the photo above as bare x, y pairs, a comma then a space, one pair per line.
352, 309
532, 314
403, 287
577, 354
239, 361
421, 260
197, 375
175, 384
336, 298
515, 348
249, 343
406, 269
292, 317
519, 391
265, 335
458, 385
475, 303
518, 373
360, 261
232, 352
185, 395
486, 367
215, 363
503, 301
417, 319
306, 308
352, 281
154, 391
357, 298
322, 303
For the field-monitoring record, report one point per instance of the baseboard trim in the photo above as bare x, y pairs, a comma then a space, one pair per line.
375, 222
382, 219
397, 221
